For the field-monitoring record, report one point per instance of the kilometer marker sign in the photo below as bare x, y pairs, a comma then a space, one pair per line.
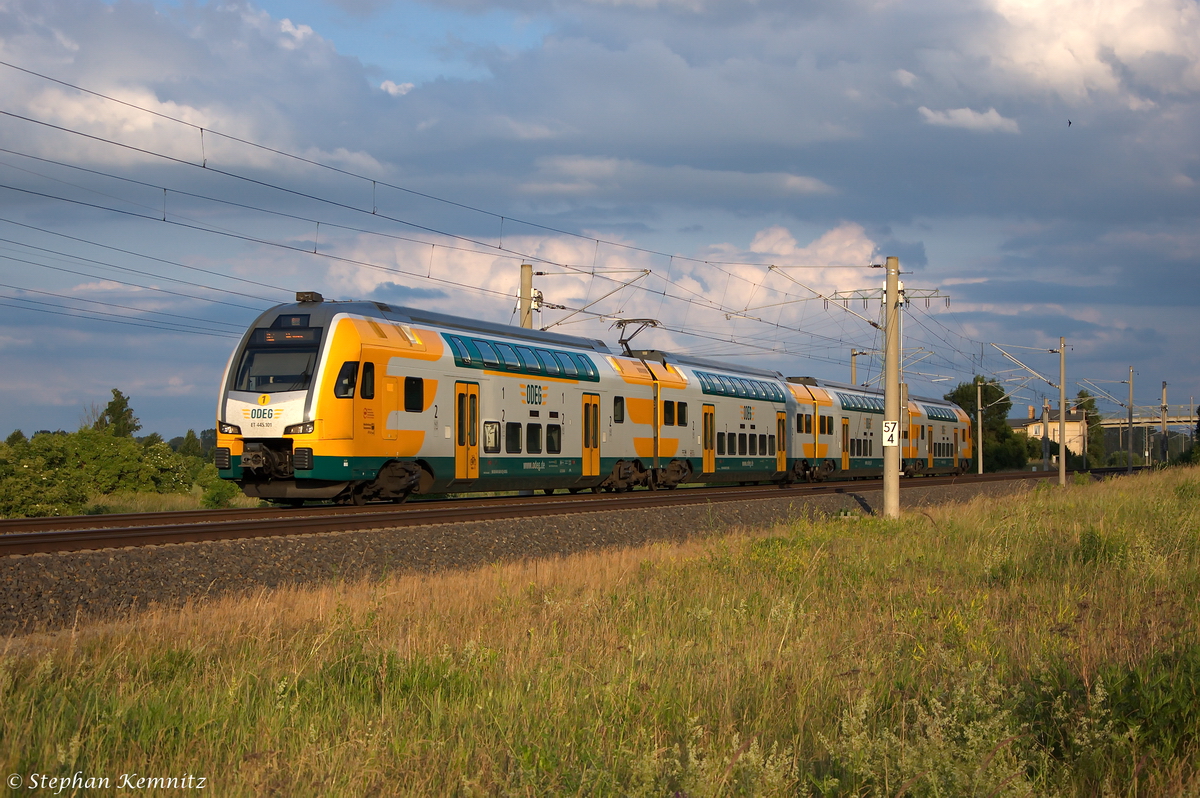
891, 433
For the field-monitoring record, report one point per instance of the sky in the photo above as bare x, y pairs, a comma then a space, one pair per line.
169, 170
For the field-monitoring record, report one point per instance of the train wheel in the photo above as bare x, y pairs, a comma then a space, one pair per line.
358, 495
548, 491
572, 491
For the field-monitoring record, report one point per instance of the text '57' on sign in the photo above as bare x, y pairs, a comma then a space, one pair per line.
891, 433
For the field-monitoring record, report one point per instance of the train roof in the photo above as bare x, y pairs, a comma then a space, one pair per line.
699, 362
321, 312
325, 310
858, 389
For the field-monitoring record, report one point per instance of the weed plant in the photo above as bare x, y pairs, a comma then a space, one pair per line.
1042, 644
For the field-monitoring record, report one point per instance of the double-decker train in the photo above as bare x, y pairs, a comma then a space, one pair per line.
361, 401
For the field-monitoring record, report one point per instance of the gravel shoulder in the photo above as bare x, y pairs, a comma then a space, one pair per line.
44, 592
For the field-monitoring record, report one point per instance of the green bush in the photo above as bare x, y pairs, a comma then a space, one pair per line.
56, 473
219, 495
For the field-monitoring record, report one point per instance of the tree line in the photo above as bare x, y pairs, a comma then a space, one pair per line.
61, 473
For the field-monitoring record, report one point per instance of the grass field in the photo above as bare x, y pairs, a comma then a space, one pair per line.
146, 502
1042, 644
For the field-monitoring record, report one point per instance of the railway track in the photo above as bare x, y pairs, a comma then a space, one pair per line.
77, 533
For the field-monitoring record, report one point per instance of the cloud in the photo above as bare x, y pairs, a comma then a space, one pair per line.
967, 119
578, 176
741, 133
1078, 48
396, 89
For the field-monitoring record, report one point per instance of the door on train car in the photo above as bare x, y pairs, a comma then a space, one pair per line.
385, 388
466, 430
929, 446
845, 444
781, 430
591, 435
709, 439
366, 405
956, 448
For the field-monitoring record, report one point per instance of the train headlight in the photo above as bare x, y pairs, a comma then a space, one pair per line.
229, 429
300, 429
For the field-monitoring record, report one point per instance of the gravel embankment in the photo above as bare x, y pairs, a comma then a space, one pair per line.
49, 591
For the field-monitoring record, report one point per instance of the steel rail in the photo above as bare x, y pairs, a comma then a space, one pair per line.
77, 533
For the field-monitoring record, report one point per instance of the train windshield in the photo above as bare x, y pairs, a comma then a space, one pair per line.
275, 371
278, 361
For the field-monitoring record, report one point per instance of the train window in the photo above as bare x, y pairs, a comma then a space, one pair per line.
762, 444
528, 360
771, 443
347, 378
870, 448
511, 361
922, 433
568, 365
548, 362
753, 444
460, 349
533, 438
668, 413
681, 414
473, 421
741, 443
414, 394
618, 409
274, 370
491, 436
720, 443
553, 438
512, 438
808, 423
460, 419
366, 388
489, 356
586, 369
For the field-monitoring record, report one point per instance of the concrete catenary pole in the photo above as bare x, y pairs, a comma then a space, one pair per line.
1045, 434
1062, 411
891, 390
526, 296
1166, 444
1129, 452
979, 424
854, 353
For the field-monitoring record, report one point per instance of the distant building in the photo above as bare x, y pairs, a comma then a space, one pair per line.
1076, 428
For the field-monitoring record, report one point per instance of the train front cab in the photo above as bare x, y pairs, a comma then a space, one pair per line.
363, 419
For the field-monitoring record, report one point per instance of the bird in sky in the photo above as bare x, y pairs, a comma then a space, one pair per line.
1068, 123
